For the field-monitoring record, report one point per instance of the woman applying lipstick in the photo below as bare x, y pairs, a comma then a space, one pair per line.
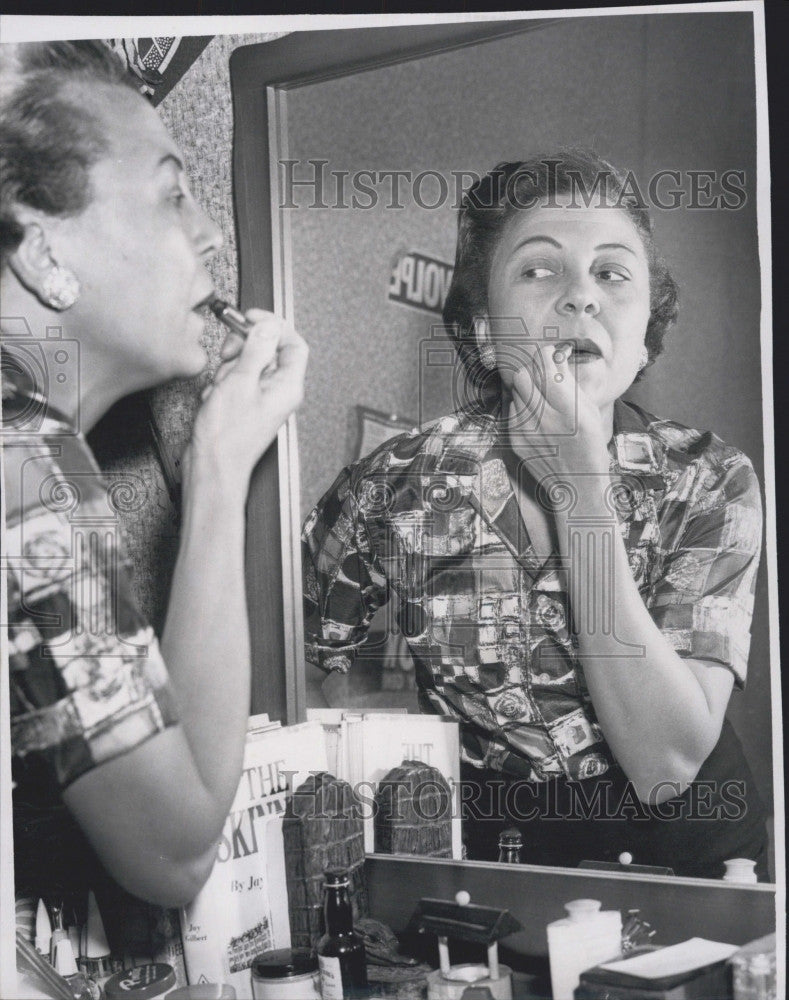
575, 575
130, 743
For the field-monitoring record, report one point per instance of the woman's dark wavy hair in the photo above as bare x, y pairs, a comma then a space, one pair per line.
48, 140
493, 200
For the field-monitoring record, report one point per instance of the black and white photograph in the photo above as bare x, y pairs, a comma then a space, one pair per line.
389, 529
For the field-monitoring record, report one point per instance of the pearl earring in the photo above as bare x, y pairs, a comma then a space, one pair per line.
643, 358
60, 287
487, 357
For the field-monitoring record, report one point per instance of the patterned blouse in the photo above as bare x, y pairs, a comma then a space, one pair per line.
87, 679
430, 519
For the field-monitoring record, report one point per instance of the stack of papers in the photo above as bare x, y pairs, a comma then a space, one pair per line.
675, 960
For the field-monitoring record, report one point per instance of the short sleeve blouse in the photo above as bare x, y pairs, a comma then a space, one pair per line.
431, 520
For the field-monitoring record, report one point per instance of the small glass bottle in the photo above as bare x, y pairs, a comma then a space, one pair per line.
59, 932
510, 844
341, 955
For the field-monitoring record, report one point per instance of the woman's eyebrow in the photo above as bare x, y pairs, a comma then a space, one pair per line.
537, 239
616, 246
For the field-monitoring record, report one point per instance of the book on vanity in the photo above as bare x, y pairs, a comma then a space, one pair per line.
363, 746
242, 909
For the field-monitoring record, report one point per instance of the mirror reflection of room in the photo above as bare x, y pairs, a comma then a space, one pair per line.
439, 569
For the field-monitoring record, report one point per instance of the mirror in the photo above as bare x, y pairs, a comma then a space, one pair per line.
353, 146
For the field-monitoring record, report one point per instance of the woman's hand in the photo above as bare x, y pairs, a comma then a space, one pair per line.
554, 428
258, 385
661, 714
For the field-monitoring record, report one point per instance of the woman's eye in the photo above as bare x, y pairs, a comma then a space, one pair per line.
538, 271
608, 274
177, 197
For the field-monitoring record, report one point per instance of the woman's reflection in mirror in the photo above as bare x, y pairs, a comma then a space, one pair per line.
574, 576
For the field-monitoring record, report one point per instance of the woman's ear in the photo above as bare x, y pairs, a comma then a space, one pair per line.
36, 269
485, 350
32, 258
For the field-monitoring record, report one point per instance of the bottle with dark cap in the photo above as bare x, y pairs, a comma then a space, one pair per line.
341, 954
510, 844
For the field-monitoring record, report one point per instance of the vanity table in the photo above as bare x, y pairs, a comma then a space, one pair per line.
678, 908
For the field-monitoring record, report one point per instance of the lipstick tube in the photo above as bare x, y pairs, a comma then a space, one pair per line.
232, 318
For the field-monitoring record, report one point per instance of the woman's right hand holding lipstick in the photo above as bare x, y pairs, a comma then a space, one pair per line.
259, 383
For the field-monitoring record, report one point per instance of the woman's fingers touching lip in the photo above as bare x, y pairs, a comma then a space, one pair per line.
546, 378
231, 346
544, 361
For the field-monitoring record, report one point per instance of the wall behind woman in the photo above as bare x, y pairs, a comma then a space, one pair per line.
199, 114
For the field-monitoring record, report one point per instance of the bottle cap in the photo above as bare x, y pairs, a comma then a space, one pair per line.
95, 936
143, 982
43, 928
284, 963
511, 837
336, 878
582, 909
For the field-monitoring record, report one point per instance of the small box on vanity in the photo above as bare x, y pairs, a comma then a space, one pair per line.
693, 970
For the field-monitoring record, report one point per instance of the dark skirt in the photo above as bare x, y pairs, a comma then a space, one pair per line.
564, 823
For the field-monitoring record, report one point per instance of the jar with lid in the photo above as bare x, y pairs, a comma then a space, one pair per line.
143, 982
286, 974
510, 846
341, 953
741, 870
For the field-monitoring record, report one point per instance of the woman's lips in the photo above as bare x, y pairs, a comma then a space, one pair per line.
583, 352
203, 302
